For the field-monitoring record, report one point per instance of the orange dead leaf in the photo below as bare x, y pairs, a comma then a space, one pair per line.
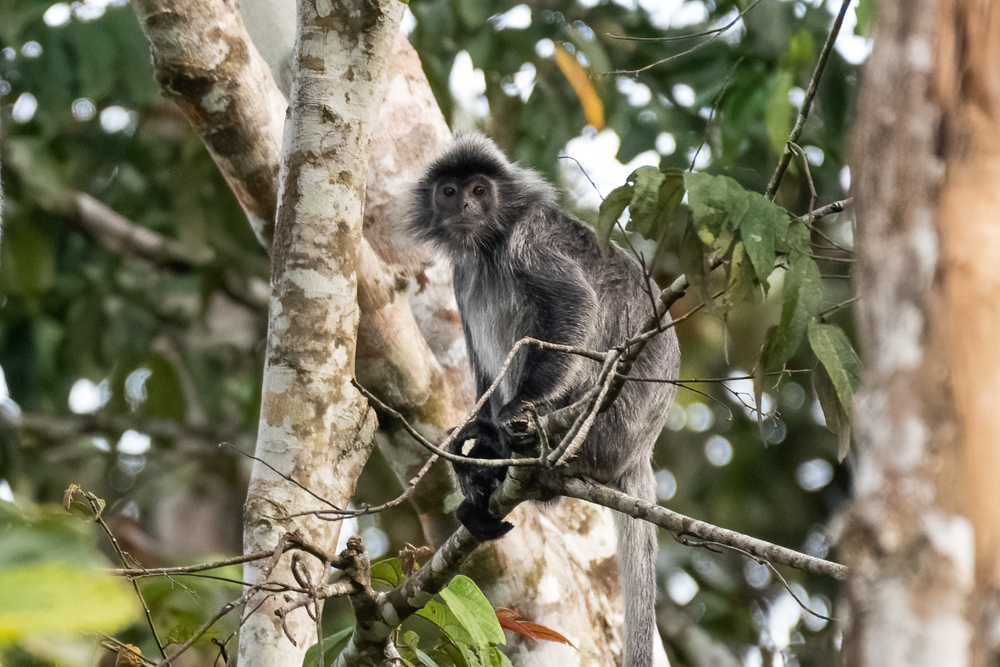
534, 631
574, 72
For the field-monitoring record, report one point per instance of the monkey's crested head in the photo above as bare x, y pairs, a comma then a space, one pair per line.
472, 196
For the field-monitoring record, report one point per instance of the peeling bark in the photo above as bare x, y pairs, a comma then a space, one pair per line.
225, 90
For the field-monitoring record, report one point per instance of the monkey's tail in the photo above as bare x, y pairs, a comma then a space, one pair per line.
637, 549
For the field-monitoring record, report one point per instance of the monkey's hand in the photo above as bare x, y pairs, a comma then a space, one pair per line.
480, 440
517, 422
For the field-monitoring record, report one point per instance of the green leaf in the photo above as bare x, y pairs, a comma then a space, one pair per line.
645, 200
764, 226
461, 655
692, 258
721, 207
836, 418
499, 659
388, 572
467, 618
802, 295
836, 379
332, 646
779, 111
843, 366
464, 598
653, 218
611, 209
443, 617
742, 277
54, 597
411, 640
714, 202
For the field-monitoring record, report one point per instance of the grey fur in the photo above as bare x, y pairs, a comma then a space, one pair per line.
525, 268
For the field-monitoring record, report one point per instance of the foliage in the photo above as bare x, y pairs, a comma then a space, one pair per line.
54, 583
469, 627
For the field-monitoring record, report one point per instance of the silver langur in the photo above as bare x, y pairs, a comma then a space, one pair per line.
525, 268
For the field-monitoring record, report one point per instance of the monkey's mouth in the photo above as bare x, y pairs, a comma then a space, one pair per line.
462, 226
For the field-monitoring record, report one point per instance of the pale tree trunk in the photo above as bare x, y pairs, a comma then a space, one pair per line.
922, 537
315, 426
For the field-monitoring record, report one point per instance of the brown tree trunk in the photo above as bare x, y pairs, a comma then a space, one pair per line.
967, 71
922, 537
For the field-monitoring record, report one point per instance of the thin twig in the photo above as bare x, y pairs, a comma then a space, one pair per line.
228, 607
786, 156
117, 647
829, 209
763, 561
486, 463
96, 507
188, 569
677, 38
714, 107
810, 217
584, 172
569, 447
844, 260
715, 34
835, 308
288, 478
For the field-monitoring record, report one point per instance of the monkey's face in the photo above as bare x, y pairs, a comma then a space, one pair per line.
465, 208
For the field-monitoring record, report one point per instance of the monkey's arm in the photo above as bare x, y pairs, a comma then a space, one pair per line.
562, 308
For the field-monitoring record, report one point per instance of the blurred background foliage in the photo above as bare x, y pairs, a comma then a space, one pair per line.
124, 373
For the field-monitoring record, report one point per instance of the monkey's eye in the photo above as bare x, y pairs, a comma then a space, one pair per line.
479, 190
449, 191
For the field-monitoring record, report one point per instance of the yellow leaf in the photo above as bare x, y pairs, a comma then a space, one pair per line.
574, 72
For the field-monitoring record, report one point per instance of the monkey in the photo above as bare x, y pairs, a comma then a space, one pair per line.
523, 267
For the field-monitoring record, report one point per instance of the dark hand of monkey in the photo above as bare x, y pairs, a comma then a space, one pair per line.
480, 440
517, 422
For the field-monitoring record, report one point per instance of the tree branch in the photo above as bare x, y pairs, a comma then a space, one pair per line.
682, 526
800, 121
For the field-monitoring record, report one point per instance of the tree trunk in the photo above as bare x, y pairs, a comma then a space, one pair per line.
968, 88
927, 175
315, 427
